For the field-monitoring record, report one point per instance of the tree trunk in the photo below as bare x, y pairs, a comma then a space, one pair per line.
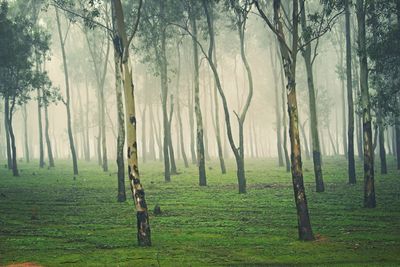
369, 188
332, 142
382, 151
303, 133
143, 226
144, 146
70, 136
121, 197
7, 130
170, 146
164, 96
191, 125
12, 137
47, 136
350, 104
277, 109
178, 107
289, 64
319, 182
152, 145
26, 140
197, 109
397, 126
87, 149
41, 148
216, 113
342, 93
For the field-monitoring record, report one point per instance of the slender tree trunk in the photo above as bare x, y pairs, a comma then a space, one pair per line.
47, 136
143, 226
199, 119
216, 113
69, 123
41, 148
277, 109
26, 140
332, 142
319, 182
12, 137
152, 144
144, 145
382, 151
342, 94
170, 146
178, 107
285, 130
7, 130
87, 149
397, 134
369, 188
350, 104
191, 125
121, 197
303, 133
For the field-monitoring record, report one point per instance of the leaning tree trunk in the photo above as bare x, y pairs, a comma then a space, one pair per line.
350, 104
289, 65
41, 147
143, 226
67, 102
197, 109
216, 113
369, 187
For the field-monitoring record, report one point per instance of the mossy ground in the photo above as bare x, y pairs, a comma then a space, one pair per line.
79, 223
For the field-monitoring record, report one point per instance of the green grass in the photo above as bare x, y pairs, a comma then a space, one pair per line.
79, 222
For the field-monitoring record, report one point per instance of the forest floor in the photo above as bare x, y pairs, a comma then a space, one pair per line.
48, 218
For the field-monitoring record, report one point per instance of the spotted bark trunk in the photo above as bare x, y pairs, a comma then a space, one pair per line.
7, 130
143, 225
289, 65
369, 187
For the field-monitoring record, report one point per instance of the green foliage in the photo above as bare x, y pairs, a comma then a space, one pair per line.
49, 218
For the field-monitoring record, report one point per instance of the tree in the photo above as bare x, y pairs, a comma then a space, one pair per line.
369, 187
67, 103
121, 46
16, 74
289, 60
199, 119
350, 103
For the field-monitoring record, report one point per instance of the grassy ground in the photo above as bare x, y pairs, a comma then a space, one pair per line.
79, 223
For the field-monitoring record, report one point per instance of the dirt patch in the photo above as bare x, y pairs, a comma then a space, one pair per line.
24, 264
